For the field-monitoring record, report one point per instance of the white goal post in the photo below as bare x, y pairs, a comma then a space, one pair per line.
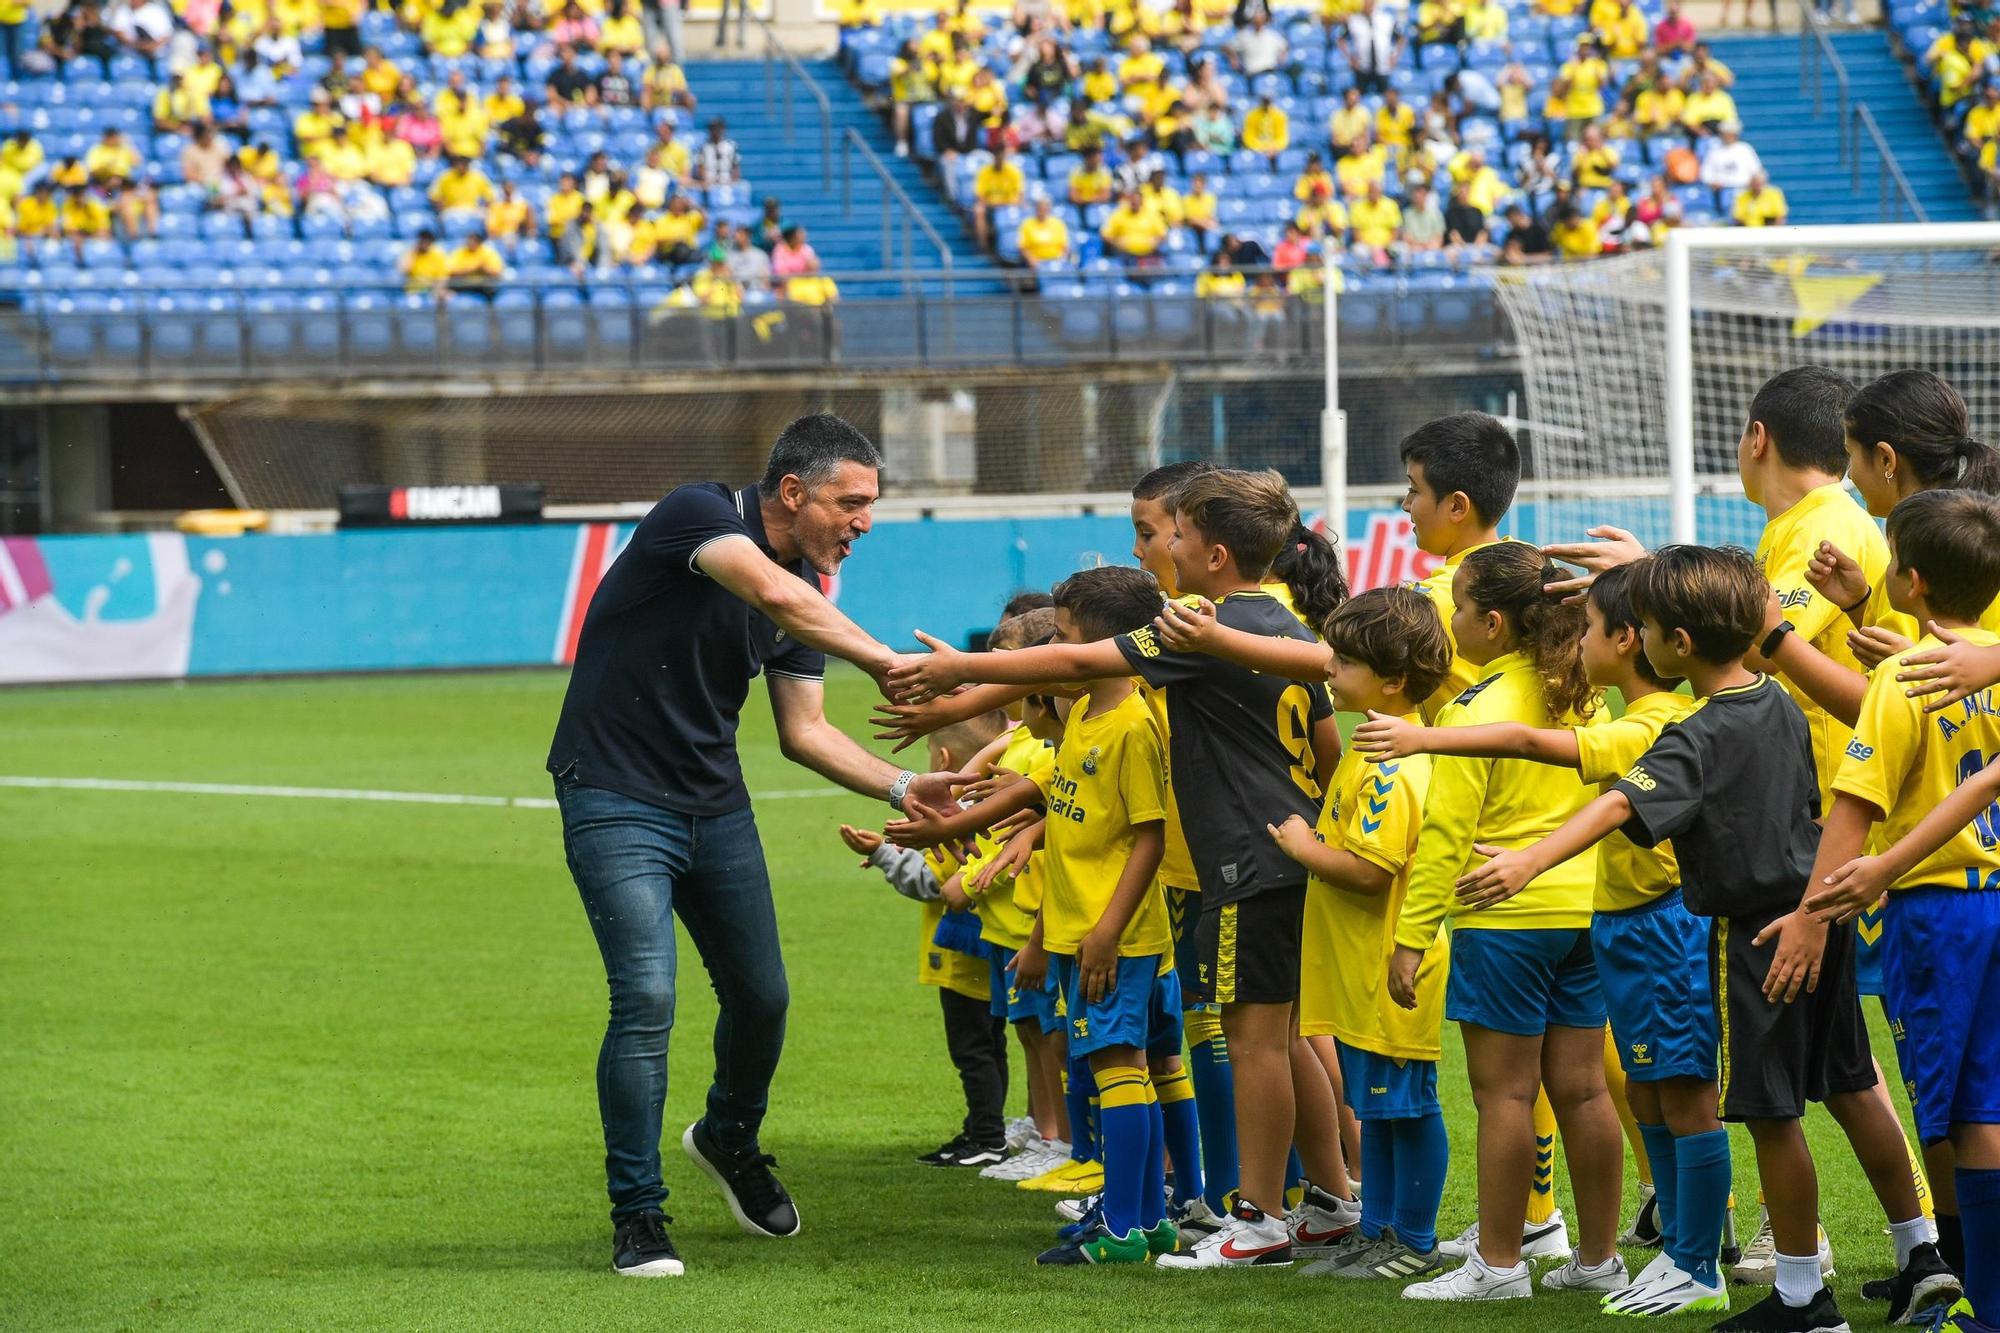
1639, 369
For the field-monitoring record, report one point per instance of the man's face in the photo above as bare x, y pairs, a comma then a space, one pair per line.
1152, 534
827, 520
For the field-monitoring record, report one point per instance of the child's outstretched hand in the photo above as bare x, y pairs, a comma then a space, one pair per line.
1837, 576
1293, 836
1504, 875
1944, 675
953, 894
1184, 628
1403, 965
917, 679
862, 842
1608, 548
1874, 645
920, 826
1012, 856
907, 723
1384, 737
1850, 889
995, 778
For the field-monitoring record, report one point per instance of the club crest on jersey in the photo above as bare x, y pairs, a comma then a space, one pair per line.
1090, 760
1229, 874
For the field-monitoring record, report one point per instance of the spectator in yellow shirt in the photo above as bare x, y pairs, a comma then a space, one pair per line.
1483, 187
1132, 231
621, 30
675, 231
1142, 66
1220, 281
462, 118
461, 186
1759, 204
1594, 160
1198, 208
1659, 108
667, 85
85, 217
1621, 28
1486, 21
811, 288
1090, 183
1315, 181
379, 76
1348, 124
1156, 194
716, 291
390, 161
851, 14
1323, 220
314, 127
1982, 122
1366, 163
475, 266
21, 155
510, 218
39, 214
1575, 236
1043, 236
1376, 220
111, 158
1584, 77
1099, 83
563, 206
1267, 129
1708, 107
999, 184
340, 20
1395, 120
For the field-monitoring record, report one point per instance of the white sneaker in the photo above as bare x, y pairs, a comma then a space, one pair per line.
1022, 1133
1320, 1221
1030, 1162
1646, 1276
1249, 1239
902, 148
1072, 1210
1645, 1229
1573, 1276
1475, 1281
1668, 1293
1539, 1240
1759, 1265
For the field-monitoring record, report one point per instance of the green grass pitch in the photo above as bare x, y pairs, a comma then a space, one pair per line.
276, 1063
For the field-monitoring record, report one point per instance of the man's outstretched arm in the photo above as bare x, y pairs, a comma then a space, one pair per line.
806, 737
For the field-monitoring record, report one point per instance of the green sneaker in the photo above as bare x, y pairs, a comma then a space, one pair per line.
1163, 1238
1101, 1247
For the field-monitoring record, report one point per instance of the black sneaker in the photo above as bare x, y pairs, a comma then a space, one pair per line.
1925, 1284
1878, 1289
640, 1247
755, 1197
961, 1151
944, 1155
1772, 1315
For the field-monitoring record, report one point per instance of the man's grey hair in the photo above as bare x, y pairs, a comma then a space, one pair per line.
813, 448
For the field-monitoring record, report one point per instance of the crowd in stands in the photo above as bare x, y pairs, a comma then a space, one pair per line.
1962, 63
453, 143
1213, 136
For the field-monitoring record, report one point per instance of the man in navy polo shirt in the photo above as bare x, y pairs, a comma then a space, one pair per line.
715, 587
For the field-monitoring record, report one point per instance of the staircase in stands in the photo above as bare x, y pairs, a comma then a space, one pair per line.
1802, 154
847, 241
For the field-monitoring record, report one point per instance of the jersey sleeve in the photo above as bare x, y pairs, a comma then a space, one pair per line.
1142, 766
1605, 751
1157, 664
1888, 737
798, 660
1388, 808
688, 519
1664, 787
1457, 794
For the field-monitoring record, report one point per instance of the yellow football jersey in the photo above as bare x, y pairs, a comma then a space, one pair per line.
1783, 552
1509, 803
1001, 922
937, 965
1629, 875
1373, 811
1108, 777
1905, 762
1437, 586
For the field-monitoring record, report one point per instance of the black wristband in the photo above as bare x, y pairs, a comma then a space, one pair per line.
1861, 602
1774, 638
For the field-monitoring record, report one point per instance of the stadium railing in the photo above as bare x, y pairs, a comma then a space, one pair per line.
896, 204
781, 65
261, 334
1855, 129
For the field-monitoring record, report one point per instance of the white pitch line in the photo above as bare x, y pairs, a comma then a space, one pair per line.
343, 793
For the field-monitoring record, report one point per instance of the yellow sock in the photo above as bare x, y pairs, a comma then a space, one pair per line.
1200, 1025
1174, 1087
1614, 1080
1542, 1198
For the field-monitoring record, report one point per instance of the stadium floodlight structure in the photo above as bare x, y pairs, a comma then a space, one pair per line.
1640, 368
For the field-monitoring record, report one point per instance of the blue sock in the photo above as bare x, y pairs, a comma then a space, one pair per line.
1659, 1141
1153, 1186
1125, 1123
1701, 1174
1979, 1211
1423, 1153
1295, 1174
1181, 1130
1378, 1168
1215, 1102
1082, 1091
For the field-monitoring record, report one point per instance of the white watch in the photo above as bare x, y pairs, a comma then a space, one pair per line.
900, 788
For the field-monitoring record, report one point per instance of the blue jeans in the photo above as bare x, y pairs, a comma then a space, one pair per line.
636, 866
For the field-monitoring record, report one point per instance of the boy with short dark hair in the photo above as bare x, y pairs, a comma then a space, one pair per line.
1275, 740
1102, 923
1743, 819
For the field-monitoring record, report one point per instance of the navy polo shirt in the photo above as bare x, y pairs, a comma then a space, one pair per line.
665, 661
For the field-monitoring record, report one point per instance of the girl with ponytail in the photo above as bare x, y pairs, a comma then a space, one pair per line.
1523, 984
1310, 567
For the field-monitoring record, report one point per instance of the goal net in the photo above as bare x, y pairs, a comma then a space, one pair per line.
1640, 369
